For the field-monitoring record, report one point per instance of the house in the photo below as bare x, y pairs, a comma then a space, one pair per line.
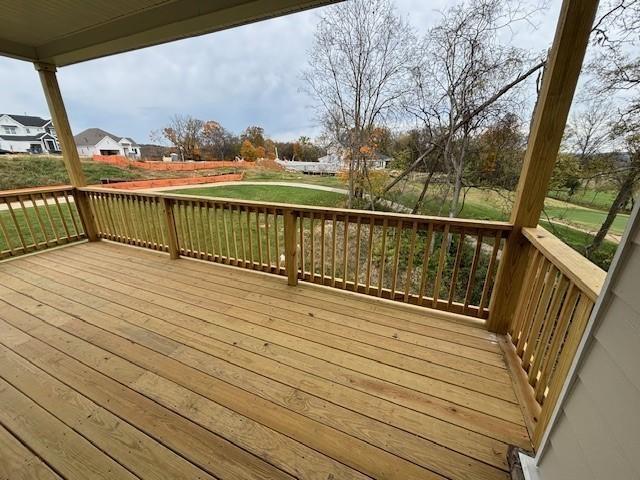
27, 134
332, 163
239, 365
95, 141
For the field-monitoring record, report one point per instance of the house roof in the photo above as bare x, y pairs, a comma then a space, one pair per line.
27, 120
91, 137
71, 31
23, 138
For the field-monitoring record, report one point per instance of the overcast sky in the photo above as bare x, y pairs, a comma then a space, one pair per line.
244, 76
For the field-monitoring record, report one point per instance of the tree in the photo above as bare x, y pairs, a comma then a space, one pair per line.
218, 141
463, 80
357, 72
248, 151
255, 135
616, 69
184, 132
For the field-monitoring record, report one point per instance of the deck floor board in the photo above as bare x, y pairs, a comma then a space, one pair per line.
256, 379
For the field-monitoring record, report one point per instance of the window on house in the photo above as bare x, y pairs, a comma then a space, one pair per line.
9, 129
28, 130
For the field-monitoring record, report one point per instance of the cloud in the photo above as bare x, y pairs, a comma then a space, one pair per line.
245, 76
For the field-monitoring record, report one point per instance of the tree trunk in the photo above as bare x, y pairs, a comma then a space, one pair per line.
622, 198
418, 204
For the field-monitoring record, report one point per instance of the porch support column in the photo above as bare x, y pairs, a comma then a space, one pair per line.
549, 120
70, 156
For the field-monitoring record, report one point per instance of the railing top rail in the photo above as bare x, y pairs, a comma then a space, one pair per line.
587, 276
35, 190
459, 222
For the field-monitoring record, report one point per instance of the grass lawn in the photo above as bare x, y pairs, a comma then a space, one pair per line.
271, 193
589, 197
259, 175
585, 218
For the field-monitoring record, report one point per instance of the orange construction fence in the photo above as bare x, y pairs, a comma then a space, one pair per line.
170, 166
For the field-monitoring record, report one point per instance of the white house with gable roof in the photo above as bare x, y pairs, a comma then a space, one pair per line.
95, 141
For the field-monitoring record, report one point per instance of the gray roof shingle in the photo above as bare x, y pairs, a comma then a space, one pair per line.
91, 136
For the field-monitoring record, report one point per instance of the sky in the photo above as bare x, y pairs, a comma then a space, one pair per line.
249, 75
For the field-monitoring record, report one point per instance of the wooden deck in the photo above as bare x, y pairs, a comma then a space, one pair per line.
121, 363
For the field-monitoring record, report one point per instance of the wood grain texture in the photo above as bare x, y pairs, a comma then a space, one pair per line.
292, 379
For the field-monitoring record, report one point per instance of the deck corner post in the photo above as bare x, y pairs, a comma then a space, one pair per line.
547, 127
290, 247
170, 223
47, 73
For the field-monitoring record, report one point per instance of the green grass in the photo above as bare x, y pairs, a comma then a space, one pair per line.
587, 219
259, 175
271, 193
32, 225
25, 172
588, 197
579, 240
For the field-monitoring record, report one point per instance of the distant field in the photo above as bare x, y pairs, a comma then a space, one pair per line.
271, 193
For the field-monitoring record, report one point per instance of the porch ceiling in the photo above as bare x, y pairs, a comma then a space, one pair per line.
63, 32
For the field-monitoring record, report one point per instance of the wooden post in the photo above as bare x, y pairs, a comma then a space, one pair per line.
290, 247
170, 223
549, 120
69, 150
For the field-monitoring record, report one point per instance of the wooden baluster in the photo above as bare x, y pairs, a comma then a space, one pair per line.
233, 235
565, 360
322, 248
367, 285
27, 221
535, 261
425, 263
216, 222
277, 242
16, 225
356, 273
7, 238
396, 259
383, 255
182, 234
166, 205
549, 322
558, 340
72, 215
245, 257
126, 221
267, 236
94, 206
62, 217
160, 219
54, 230
302, 252
133, 221
290, 248
456, 269
533, 306
113, 217
250, 240
334, 246
488, 279
345, 250
472, 273
43, 230
412, 249
225, 230
259, 238
139, 204
153, 215
444, 244
312, 238
540, 314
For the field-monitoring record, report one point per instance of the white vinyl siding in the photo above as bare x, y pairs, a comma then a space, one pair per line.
597, 432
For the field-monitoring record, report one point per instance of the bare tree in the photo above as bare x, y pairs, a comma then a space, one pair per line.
616, 69
185, 133
465, 79
357, 72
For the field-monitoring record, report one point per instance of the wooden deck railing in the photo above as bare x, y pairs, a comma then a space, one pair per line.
443, 263
559, 292
38, 218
